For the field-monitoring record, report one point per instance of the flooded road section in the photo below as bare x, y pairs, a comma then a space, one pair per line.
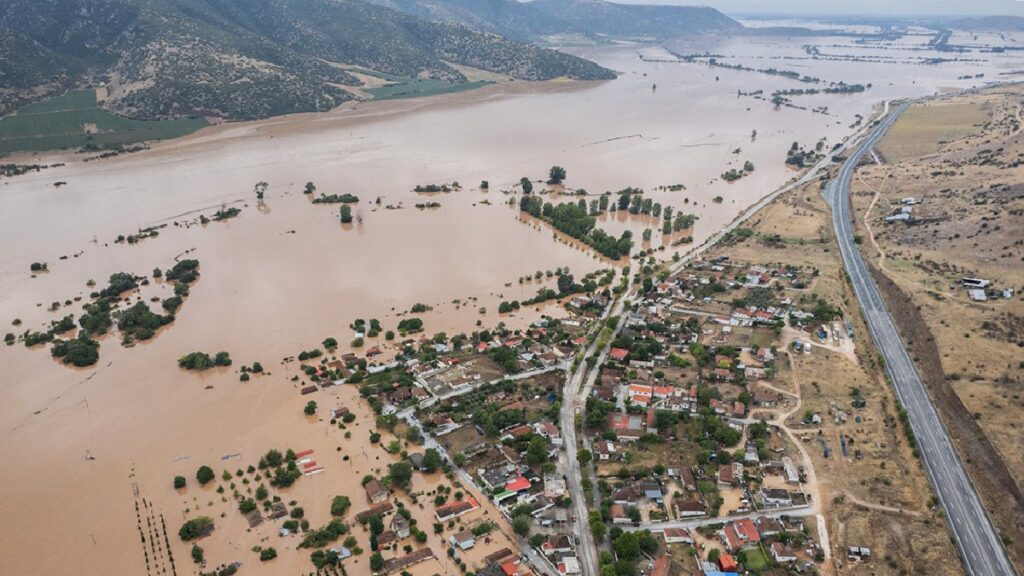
285, 274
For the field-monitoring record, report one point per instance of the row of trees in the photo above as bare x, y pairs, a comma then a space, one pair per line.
573, 219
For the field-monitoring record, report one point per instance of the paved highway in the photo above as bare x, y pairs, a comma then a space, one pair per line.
980, 547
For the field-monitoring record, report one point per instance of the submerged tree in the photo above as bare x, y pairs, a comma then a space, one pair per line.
556, 175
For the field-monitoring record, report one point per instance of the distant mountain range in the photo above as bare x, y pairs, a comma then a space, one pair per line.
245, 59
991, 23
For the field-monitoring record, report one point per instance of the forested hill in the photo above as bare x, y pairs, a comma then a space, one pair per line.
242, 59
539, 20
639, 20
510, 18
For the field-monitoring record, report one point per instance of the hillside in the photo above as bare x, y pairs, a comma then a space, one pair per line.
510, 18
540, 20
639, 20
241, 59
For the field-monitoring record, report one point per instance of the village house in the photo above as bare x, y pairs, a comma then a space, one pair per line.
776, 498
727, 563
688, 507
740, 534
549, 431
790, 470
617, 512
381, 509
453, 510
678, 536
464, 540
730, 474
557, 544
651, 491
606, 451
400, 526
375, 491
387, 537
626, 496
768, 526
765, 398
403, 562
618, 354
782, 554
496, 475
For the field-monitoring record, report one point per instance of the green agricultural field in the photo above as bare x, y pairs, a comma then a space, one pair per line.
74, 121
415, 88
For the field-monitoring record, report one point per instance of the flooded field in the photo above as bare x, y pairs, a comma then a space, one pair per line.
285, 274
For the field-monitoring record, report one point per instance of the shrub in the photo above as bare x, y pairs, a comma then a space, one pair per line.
82, 351
179, 482
172, 304
195, 528
340, 505
204, 475
196, 361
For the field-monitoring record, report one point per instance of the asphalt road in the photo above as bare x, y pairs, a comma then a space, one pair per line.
571, 400
980, 547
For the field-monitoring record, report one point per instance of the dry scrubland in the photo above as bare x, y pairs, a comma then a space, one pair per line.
962, 160
880, 499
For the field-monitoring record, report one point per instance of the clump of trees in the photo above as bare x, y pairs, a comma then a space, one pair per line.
203, 361
410, 325
573, 219
340, 505
195, 528
81, 351
140, 323
431, 188
320, 537
336, 199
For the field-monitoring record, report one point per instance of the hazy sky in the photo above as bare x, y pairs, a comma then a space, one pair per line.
858, 7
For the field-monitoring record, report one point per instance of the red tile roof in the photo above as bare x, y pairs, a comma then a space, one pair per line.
518, 485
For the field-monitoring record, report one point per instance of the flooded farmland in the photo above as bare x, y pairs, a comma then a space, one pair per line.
284, 274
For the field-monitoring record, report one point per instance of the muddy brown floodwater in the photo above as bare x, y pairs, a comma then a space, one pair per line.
282, 276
